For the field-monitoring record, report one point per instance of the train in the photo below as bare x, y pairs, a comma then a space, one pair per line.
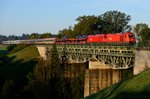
126, 38
31, 41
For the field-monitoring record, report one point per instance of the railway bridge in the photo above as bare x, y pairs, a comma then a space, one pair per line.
116, 57
106, 64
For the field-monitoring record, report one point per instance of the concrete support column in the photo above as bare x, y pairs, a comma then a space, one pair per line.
42, 51
115, 77
109, 77
86, 83
100, 79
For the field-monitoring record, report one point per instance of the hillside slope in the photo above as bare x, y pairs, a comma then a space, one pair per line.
17, 65
26, 54
137, 87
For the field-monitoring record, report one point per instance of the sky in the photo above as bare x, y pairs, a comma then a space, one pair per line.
39, 16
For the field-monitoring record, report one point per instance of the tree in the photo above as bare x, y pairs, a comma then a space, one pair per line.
68, 32
13, 37
24, 36
3, 38
145, 36
47, 79
45, 35
40, 71
8, 89
115, 21
85, 25
143, 33
11, 47
77, 87
55, 67
34, 36
139, 28
109, 22
35, 89
56, 82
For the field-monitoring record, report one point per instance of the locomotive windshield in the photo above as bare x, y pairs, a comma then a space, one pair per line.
131, 36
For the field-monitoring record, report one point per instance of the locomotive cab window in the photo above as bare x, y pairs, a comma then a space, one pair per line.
131, 36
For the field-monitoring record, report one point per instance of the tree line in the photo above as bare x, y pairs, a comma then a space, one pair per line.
109, 22
26, 36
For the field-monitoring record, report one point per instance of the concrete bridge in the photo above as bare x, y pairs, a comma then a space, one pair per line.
106, 64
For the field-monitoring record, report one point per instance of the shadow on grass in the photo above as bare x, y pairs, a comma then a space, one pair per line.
107, 93
3, 51
143, 94
133, 95
16, 71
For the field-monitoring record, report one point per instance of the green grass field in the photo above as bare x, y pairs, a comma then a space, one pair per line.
137, 87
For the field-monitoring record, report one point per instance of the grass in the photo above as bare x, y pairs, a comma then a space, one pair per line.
137, 87
3, 49
25, 55
17, 65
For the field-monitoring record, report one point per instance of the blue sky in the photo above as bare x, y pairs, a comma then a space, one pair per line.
28, 16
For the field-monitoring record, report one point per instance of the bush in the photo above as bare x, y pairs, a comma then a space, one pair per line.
16, 48
11, 47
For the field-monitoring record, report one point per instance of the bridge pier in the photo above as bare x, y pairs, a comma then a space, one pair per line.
98, 77
86, 83
42, 51
142, 62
